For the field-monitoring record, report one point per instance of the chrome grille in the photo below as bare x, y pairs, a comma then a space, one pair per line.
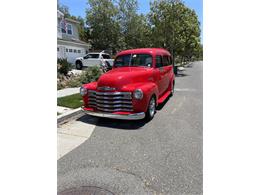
110, 101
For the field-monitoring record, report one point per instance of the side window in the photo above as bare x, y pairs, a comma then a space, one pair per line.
165, 61
158, 61
93, 55
106, 56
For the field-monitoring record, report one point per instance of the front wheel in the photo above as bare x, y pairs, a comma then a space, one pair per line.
79, 65
151, 108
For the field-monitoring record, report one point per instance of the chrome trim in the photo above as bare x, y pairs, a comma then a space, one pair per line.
106, 88
135, 116
109, 102
110, 106
109, 93
110, 109
109, 98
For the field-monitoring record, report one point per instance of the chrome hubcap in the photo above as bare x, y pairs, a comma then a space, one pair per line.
152, 107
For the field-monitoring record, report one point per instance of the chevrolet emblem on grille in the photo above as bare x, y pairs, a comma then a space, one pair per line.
106, 88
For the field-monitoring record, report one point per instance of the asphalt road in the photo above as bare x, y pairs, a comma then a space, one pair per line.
163, 156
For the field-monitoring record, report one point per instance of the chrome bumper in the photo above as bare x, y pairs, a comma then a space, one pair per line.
136, 116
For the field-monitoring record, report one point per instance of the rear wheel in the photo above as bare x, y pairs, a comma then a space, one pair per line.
79, 65
151, 108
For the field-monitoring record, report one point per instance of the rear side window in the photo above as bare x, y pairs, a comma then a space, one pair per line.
165, 61
93, 55
158, 61
106, 56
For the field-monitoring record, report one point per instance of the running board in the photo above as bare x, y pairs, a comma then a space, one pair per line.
163, 98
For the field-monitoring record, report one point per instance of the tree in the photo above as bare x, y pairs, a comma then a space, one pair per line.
174, 27
102, 24
84, 33
65, 10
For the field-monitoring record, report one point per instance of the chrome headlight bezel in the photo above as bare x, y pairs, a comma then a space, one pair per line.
138, 94
83, 91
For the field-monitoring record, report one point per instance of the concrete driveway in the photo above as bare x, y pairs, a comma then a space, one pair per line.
163, 156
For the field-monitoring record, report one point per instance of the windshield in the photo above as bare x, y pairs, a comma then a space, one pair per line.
134, 60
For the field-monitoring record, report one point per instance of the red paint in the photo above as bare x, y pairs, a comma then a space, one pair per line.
151, 80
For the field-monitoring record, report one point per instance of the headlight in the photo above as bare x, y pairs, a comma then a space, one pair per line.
138, 94
83, 91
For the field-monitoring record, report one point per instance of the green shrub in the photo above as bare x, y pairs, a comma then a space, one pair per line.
63, 66
60, 86
90, 75
75, 82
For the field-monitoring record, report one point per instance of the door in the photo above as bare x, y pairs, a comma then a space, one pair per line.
160, 75
92, 60
167, 64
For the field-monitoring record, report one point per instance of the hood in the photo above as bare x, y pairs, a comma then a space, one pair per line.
119, 77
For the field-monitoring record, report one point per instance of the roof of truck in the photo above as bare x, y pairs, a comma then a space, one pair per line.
144, 50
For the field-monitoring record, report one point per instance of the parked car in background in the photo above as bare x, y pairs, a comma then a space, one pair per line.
139, 81
93, 59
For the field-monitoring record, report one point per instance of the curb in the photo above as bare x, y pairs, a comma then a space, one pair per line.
67, 91
72, 114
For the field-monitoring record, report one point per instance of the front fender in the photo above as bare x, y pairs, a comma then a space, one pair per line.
148, 89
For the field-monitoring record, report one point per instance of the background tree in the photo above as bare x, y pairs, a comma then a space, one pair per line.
103, 25
116, 25
133, 27
174, 27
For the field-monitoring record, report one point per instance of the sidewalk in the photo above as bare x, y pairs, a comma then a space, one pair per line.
67, 91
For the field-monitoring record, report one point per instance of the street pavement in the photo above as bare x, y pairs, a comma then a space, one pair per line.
163, 156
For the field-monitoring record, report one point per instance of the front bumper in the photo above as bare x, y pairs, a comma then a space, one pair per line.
135, 116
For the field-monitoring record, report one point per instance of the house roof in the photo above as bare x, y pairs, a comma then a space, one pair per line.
71, 20
59, 13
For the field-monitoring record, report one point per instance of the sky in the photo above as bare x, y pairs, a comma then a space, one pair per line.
77, 8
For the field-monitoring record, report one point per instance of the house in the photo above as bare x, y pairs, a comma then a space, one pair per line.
68, 43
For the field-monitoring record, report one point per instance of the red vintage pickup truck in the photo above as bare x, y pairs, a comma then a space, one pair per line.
139, 81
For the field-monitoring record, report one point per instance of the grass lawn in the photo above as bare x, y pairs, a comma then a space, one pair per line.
71, 101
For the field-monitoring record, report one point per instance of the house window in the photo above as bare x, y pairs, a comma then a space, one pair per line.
75, 51
70, 50
58, 49
79, 51
69, 29
66, 49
